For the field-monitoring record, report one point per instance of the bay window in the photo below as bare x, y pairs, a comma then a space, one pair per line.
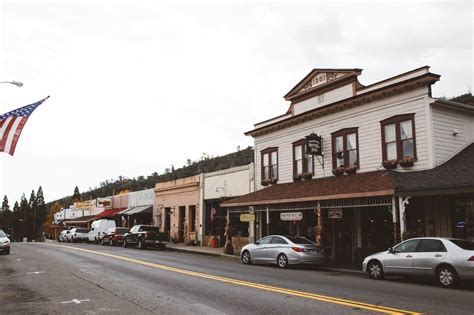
345, 143
270, 163
398, 137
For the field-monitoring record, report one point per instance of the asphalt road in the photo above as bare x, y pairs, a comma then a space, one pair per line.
92, 279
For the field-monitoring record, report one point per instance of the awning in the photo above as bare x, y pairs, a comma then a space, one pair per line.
126, 210
84, 219
368, 184
109, 213
140, 209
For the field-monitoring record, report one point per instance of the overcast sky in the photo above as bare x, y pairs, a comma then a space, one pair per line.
139, 85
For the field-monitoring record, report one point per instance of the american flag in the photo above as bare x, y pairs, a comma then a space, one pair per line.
11, 125
213, 214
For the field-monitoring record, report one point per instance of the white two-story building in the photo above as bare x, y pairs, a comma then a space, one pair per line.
356, 195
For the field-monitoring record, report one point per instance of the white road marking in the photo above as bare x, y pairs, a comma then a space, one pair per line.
75, 301
18, 259
35, 272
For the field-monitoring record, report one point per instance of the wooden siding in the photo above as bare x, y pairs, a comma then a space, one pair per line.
367, 118
333, 96
445, 121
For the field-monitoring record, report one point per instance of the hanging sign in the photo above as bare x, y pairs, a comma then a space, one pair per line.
291, 216
315, 144
335, 213
247, 217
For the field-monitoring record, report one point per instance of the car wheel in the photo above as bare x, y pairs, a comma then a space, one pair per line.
141, 245
111, 242
375, 270
282, 261
125, 243
246, 258
446, 276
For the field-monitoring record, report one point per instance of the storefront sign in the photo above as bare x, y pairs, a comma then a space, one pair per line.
291, 216
335, 213
86, 205
247, 217
104, 202
315, 144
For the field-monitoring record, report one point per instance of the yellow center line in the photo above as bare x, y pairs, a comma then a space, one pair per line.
302, 294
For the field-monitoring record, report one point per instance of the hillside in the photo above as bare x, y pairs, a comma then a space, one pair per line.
204, 165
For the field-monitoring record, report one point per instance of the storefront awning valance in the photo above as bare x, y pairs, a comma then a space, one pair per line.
123, 212
81, 220
109, 213
140, 209
368, 184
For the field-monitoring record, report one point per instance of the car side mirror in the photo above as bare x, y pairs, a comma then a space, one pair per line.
8, 235
257, 243
391, 250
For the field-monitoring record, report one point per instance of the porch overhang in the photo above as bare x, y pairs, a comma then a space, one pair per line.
369, 184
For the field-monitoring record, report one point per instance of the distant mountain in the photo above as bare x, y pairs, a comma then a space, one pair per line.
464, 98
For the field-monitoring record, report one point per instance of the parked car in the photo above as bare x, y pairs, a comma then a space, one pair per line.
114, 236
78, 235
144, 236
4, 243
445, 259
63, 236
98, 229
283, 251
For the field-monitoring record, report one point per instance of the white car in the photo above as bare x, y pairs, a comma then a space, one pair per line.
4, 243
99, 228
447, 260
63, 236
78, 235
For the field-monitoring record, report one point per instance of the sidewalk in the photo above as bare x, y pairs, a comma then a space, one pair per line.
351, 268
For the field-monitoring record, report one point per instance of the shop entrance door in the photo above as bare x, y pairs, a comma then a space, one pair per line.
167, 222
181, 220
343, 236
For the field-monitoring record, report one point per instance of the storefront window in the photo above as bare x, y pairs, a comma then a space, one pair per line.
464, 219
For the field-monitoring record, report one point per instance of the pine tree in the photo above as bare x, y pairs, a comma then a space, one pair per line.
5, 205
41, 211
77, 195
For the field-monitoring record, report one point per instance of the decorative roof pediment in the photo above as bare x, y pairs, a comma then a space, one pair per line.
321, 78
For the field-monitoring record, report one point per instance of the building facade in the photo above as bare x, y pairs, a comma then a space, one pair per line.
344, 197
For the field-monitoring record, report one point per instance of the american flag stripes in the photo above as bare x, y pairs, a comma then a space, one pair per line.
11, 125
213, 214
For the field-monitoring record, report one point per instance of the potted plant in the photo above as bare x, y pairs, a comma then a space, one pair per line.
351, 170
390, 164
307, 176
297, 177
272, 181
264, 182
338, 171
407, 161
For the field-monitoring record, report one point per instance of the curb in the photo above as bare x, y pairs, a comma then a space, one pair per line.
234, 257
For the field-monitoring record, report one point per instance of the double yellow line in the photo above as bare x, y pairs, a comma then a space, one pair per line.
302, 294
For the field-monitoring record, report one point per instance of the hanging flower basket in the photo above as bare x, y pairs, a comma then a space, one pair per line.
338, 171
407, 162
297, 178
390, 164
307, 176
351, 170
264, 182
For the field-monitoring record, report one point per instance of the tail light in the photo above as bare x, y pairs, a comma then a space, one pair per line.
471, 259
298, 249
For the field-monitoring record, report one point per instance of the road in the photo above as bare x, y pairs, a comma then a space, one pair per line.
51, 278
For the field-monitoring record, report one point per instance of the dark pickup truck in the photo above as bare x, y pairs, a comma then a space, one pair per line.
144, 236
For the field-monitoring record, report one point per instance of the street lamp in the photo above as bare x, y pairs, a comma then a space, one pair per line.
19, 84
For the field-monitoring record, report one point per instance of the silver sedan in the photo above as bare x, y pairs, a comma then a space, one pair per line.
447, 260
283, 250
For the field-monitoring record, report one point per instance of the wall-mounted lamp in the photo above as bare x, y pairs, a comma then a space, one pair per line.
455, 132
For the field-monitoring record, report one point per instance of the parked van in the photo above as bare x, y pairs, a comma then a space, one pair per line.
98, 229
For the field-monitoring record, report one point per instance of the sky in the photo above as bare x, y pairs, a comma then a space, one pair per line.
138, 86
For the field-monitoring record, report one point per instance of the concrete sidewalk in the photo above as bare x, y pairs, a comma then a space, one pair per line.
218, 252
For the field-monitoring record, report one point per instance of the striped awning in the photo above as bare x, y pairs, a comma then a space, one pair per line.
140, 209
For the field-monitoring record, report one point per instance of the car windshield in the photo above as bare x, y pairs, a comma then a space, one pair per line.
82, 230
149, 228
2, 234
299, 240
464, 244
